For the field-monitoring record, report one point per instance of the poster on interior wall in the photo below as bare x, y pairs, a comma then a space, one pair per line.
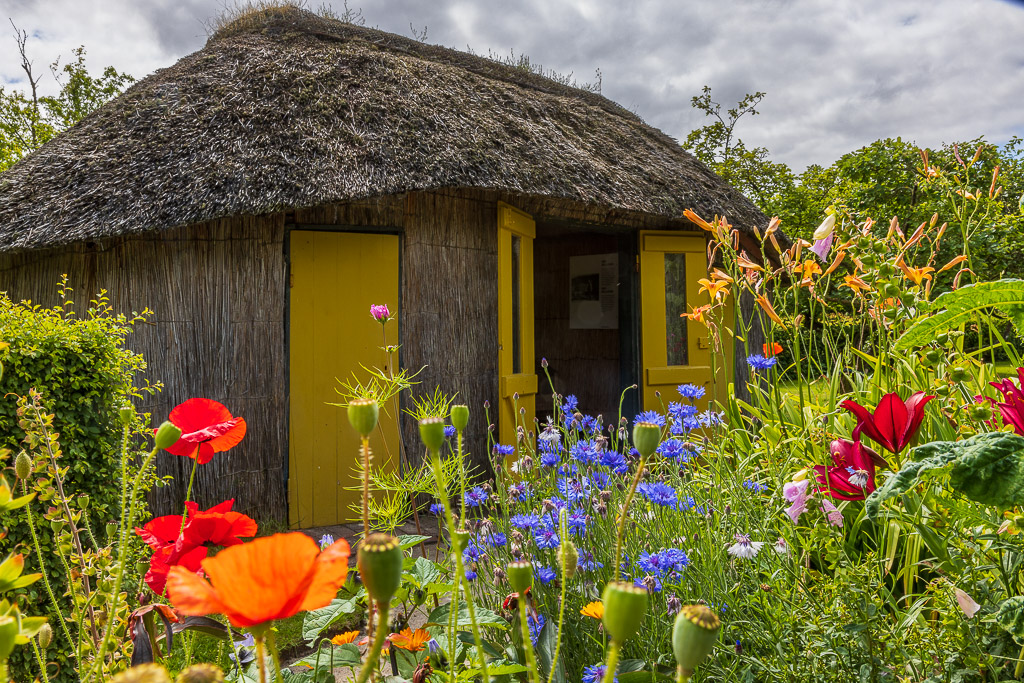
594, 292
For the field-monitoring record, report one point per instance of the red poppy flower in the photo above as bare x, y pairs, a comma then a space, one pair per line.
853, 476
1012, 407
266, 579
776, 349
207, 427
165, 558
894, 423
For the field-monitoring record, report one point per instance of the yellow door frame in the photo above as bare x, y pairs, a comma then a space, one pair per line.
517, 381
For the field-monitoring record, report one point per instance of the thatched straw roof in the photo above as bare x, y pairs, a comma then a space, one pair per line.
284, 109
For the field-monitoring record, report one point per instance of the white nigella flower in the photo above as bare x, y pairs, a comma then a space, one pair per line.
744, 548
859, 478
781, 547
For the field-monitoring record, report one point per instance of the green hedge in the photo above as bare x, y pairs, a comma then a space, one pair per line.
85, 373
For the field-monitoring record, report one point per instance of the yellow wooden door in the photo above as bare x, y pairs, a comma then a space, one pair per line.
517, 383
674, 350
335, 278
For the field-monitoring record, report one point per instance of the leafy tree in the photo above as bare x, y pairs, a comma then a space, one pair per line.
28, 120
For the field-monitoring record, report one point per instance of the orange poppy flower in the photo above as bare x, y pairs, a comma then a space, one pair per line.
207, 427
776, 349
345, 638
269, 578
410, 640
594, 609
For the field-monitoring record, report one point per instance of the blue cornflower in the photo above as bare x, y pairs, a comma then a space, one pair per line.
470, 575
674, 449
595, 674
590, 424
689, 423
760, 362
673, 558
520, 491
586, 562
536, 626
599, 479
681, 410
473, 552
570, 405
574, 490
437, 509
577, 522
710, 418
754, 486
584, 452
495, 539
476, 497
449, 431
527, 521
546, 539
549, 459
660, 494
688, 503
544, 574
245, 651
652, 416
500, 449
614, 461
326, 540
691, 391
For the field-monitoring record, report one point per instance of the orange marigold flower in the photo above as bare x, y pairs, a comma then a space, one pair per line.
269, 578
345, 638
410, 640
594, 609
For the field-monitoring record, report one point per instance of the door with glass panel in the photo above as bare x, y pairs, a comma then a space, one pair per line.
517, 379
674, 350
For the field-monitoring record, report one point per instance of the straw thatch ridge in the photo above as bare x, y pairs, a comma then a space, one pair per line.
286, 109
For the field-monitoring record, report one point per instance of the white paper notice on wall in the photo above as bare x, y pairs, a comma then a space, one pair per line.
594, 292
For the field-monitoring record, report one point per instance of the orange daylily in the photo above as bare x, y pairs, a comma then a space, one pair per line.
715, 288
840, 255
697, 314
915, 275
809, 268
856, 284
345, 638
766, 305
266, 579
743, 262
694, 218
956, 261
594, 609
410, 640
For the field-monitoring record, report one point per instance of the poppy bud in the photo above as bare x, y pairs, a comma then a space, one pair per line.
167, 435
45, 636
625, 606
569, 557
460, 417
646, 436
380, 566
520, 575
23, 465
362, 415
693, 636
432, 433
201, 673
126, 413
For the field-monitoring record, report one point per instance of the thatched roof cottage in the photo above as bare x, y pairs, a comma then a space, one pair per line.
263, 192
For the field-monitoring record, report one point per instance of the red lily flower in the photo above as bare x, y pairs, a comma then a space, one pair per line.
1012, 407
853, 476
207, 427
895, 421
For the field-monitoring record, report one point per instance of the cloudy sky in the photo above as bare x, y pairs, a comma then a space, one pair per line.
838, 73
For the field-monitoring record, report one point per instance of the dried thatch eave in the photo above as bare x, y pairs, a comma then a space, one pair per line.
284, 109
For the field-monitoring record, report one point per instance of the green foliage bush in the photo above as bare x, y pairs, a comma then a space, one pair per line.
85, 373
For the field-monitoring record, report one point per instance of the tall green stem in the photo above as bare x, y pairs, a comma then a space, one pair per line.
531, 658
373, 656
563, 530
613, 661
621, 531
188, 491
40, 661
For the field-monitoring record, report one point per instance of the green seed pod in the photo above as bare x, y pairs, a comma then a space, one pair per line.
45, 636
432, 433
380, 566
933, 356
460, 417
569, 558
83, 501
363, 414
142, 566
625, 606
201, 673
981, 411
942, 339
167, 435
125, 413
520, 575
891, 290
694, 636
23, 465
958, 374
111, 531
879, 248
864, 242
460, 539
56, 525
142, 673
646, 437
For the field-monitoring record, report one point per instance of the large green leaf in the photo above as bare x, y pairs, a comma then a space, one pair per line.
991, 470
484, 617
318, 620
1011, 617
424, 572
955, 308
933, 456
336, 655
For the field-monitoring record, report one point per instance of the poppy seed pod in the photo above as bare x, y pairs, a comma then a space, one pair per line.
460, 539
82, 500
201, 673
520, 575
646, 436
126, 413
625, 606
23, 465
111, 530
460, 417
380, 566
167, 435
432, 433
693, 636
362, 415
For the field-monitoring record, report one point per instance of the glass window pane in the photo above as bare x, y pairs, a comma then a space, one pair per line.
517, 352
675, 304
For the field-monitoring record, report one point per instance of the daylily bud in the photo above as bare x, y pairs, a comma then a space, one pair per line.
460, 417
380, 566
694, 635
826, 227
432, 433
646, 437
520, 575
625, 606
23, 465
363, 414
45, 636
167, 435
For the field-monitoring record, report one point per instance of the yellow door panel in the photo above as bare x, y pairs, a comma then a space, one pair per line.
335, 278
